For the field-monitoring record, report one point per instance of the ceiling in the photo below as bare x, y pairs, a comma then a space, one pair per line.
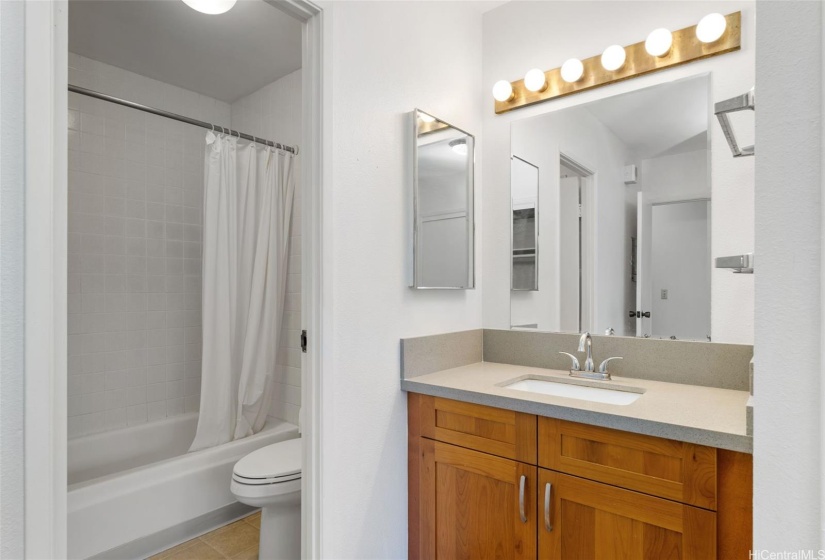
226, 56
441, 159
658, 119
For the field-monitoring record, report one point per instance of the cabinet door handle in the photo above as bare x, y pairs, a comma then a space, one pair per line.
548, 492
521, 483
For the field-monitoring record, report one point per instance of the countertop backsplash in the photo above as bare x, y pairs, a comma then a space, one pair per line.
725, 366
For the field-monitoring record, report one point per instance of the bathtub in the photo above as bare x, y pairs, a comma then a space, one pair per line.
136, 490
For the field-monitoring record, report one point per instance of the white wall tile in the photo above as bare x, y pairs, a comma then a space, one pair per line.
135, 202
126, 202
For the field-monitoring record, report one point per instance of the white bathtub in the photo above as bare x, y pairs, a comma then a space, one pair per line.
138, 487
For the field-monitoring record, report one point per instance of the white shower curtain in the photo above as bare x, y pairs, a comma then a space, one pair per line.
247, 213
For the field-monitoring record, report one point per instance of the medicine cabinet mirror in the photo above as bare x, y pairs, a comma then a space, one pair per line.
443, 226
618, 192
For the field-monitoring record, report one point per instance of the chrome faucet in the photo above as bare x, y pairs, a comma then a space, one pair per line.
589, 371
586, 342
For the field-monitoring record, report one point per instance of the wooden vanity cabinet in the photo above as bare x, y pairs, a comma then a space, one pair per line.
466, 465
478, 488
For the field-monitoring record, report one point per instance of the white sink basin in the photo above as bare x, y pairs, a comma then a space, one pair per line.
572, 391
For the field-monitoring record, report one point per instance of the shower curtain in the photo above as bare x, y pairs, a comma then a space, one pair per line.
247, 213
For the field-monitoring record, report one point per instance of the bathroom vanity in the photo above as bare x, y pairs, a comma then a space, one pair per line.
491, 482
614, 211
500, 472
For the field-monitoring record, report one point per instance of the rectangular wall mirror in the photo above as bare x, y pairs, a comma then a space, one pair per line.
621, 201
443, 244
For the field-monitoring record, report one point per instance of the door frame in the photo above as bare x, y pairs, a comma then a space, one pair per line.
587, 289
46, 219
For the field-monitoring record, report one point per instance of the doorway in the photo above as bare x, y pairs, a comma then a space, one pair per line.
46, 124
674, 284
575, 255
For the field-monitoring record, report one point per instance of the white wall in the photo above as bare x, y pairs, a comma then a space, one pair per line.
274, 113
569, 251
522, 35
12, 266
579, 135
673, 177
387, 59
135, 207
788, 376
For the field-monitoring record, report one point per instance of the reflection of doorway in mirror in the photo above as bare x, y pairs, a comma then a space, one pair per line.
675, 279
574, 240
570, 258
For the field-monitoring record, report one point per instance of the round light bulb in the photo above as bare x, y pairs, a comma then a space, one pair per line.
534, 80
613, 57
212, 7
659, 41
572, 70
711, 27
503, 91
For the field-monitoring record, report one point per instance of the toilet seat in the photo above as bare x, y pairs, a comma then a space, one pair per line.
274, 464
264, 481
270, 479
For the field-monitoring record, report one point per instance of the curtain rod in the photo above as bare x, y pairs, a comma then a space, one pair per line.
181, 118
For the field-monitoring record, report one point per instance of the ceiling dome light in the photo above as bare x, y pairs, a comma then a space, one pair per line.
659, 41
534, 80
711, 27
613, 57
459, 146
572, 70
503, 91
212, 7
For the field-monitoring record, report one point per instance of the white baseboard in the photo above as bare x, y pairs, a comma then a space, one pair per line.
173, 536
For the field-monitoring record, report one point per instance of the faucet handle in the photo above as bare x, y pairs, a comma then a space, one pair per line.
575, 366
603, 366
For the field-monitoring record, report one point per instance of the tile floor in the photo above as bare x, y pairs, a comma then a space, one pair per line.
236, 541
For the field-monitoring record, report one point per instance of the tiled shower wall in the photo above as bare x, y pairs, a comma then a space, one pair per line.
134, 242
135, 196
274, 112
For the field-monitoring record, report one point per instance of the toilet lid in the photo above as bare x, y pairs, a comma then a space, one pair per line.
280, 459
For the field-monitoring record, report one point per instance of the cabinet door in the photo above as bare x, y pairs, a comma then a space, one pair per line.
588, 520
474, 505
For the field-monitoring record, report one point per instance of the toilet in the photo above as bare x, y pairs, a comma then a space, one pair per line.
270, 478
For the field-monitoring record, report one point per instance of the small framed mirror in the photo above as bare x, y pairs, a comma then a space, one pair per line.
443, 221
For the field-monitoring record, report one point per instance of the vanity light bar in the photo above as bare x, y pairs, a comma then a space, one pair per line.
686, 47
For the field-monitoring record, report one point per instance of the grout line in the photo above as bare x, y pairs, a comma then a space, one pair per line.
165, 554
180, 547
209, 545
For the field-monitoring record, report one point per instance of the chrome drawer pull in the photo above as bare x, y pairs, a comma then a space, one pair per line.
548, 491
521, 483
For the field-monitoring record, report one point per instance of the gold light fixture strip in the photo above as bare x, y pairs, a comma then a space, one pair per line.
686, 48
428, 127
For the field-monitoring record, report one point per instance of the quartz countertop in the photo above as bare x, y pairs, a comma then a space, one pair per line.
690, 413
